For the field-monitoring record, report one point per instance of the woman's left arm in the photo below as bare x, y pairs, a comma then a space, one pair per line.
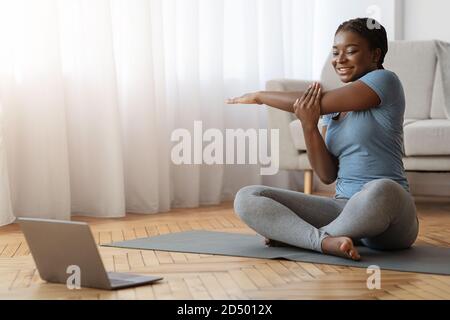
307, 109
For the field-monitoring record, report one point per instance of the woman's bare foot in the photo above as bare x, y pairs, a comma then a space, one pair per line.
275, 243
340, 246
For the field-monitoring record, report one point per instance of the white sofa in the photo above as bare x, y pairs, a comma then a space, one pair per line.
426, 127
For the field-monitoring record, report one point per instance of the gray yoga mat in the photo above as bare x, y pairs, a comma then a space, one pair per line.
424, 259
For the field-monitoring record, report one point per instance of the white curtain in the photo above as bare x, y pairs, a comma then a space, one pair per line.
91, 90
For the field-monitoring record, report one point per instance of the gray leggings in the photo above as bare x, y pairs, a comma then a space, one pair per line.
380, 216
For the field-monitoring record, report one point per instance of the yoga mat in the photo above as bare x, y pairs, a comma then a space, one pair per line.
423, 259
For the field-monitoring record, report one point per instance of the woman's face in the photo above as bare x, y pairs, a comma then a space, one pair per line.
352, 56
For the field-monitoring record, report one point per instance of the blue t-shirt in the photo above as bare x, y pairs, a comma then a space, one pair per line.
369, 143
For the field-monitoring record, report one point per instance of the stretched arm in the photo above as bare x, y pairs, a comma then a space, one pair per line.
282, 100
352, 97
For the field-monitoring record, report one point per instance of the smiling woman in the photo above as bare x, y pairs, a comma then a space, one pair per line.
356, 47
372, 203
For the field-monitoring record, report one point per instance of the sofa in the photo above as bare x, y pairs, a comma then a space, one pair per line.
426, 128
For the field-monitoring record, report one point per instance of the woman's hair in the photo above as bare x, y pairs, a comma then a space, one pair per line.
372, 31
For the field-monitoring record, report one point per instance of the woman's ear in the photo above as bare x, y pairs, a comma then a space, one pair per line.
376, 56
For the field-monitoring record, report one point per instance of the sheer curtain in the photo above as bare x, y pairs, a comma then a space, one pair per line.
91, 90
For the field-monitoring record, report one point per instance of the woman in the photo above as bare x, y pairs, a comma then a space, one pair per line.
360, 148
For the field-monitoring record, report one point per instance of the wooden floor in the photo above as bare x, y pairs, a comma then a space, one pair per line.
198, 276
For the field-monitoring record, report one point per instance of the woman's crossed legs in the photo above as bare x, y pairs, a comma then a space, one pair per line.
382, 216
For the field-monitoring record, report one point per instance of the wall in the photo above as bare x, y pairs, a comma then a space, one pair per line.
425, 20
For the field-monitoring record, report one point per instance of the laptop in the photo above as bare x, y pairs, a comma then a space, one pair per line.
61, 247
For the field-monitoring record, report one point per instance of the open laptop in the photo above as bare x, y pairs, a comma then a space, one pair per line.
57, 245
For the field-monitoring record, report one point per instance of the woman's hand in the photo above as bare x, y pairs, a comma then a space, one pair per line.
307, 108
249, 98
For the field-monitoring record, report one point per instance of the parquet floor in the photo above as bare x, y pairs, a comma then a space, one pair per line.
198, 276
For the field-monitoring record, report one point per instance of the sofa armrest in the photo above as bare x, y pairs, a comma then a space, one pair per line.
278, 119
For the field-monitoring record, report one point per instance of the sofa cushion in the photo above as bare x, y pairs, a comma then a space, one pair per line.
405, 123
409, 121
427, 163
415, 64
427, 137
298, 138
438, 99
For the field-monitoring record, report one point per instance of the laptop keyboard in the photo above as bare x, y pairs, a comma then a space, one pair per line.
118, 279
120, 283
117, 282
124, 279
121, 276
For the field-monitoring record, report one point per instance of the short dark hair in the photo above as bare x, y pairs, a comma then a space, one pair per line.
372, 31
